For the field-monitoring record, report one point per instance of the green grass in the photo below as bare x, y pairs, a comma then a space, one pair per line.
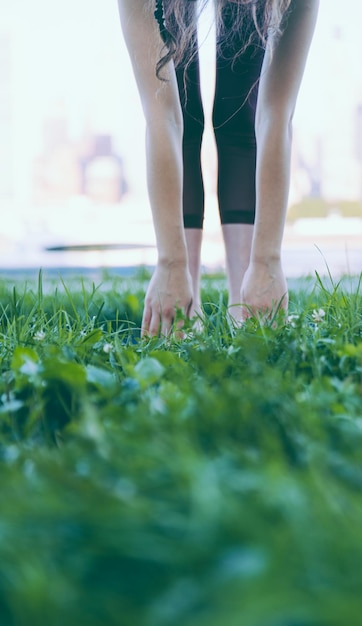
205, 481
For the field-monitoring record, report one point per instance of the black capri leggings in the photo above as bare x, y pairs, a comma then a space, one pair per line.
234, 127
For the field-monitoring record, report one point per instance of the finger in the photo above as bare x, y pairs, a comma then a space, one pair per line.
177, 328
146, 320
166, 326
189, 308
155, 324
167, 320
179, 324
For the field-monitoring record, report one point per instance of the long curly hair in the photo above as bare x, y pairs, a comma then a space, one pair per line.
251, 21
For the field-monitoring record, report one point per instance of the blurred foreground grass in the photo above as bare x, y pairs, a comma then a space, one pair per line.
214, 480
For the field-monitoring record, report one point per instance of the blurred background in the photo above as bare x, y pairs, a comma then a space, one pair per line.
72, 162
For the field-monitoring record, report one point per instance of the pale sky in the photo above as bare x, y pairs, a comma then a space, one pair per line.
73, 50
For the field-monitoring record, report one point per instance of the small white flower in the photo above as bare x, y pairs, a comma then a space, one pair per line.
318, 316
291, 319
39, 335
107, 348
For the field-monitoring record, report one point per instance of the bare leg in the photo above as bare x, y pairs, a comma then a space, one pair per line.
234, 127
237, 239
193, 243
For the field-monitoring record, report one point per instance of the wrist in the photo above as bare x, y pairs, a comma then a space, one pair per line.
265, 259
173, 252
171, 261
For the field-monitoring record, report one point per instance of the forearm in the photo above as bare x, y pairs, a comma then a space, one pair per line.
280, 81
274, 140
264, 288
162, 110
164, 176
170, 287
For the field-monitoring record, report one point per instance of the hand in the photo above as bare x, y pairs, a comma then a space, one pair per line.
264, 290
169, 289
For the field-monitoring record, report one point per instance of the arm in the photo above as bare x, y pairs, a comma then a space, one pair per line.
264, 285
170, 286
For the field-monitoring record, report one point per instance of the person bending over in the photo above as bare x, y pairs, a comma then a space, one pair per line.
261, 51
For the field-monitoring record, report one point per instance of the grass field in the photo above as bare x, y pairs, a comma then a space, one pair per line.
214, 480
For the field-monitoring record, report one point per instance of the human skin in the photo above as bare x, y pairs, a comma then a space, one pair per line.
170, 287
264, 285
